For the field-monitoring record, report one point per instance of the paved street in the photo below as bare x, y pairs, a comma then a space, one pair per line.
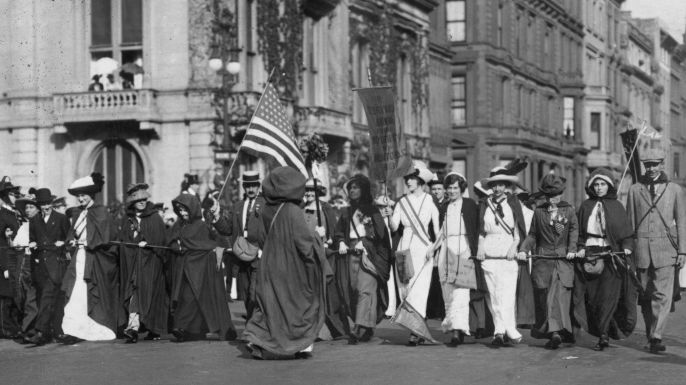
384, 361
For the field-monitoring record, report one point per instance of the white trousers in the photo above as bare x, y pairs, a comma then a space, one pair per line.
456, 308
501, 279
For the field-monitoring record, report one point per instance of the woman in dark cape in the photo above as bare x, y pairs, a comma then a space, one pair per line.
291, 282
361, 224
199, 302
337, 297
144, 289
91, 282
604, 299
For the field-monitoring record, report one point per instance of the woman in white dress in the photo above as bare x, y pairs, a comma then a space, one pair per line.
497, 250
92, 279
455, 242
416, 211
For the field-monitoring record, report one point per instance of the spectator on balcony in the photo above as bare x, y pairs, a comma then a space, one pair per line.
95, 85
112, 84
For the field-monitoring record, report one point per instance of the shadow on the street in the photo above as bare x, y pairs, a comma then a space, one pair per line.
666, 358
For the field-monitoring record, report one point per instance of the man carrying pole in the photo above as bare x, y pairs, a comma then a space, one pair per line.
656, 211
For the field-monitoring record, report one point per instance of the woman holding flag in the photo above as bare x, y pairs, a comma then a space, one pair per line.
415, 211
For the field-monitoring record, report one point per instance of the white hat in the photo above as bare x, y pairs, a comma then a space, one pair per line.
500, 174
421, 171
87, 185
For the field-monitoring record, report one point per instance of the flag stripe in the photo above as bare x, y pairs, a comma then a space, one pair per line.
270, 133
285, 157
262, 138
285, 144
257, 149
272, 129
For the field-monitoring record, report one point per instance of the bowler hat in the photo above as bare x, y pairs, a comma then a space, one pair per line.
58, 202
44, 196
552, 185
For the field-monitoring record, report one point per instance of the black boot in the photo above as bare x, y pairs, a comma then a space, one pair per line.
131, 336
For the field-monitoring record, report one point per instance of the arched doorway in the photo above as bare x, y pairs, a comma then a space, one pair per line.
121, 165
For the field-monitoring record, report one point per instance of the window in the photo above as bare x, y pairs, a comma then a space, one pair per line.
499, 32
455, 18
568, 118
117, 33
360, 60
121, 165
458, 105
404, 92
547, 47
677, 160
314, 61
594, 138
517, 28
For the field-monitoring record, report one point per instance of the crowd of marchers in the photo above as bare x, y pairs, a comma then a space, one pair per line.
505, 261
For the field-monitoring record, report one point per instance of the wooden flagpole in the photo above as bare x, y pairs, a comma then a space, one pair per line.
240, 146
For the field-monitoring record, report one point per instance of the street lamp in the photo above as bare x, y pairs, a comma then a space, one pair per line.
224, 61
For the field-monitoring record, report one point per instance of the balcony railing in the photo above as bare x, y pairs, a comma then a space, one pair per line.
105, 105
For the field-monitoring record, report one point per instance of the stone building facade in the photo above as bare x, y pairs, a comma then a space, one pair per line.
518, 88
53, 129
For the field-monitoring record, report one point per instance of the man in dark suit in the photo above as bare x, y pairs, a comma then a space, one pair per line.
244, 222
48, 233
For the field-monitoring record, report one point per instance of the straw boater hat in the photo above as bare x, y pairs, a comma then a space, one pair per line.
652, 155
191, 179
137, 192
250, 178
88, 185
500, 174
309, 185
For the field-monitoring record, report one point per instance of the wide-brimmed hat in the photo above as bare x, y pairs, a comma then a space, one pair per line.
20, 203
552, 184
421, 171
44, 196
250, 178
652, 155
6, 185
87, 185
500, 174
137, 192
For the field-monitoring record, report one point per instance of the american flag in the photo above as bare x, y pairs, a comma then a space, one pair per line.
270, 134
